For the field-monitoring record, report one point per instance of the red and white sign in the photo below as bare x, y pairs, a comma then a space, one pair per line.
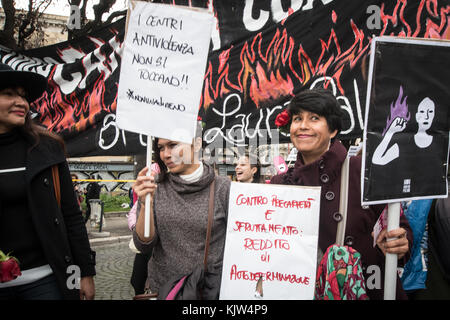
271, 242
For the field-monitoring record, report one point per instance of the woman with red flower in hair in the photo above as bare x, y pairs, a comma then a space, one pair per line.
314, 119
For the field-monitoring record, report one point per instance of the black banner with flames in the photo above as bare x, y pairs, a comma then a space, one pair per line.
262, 53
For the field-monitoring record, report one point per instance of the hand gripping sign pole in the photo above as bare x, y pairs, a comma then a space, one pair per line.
390, 274
155, 169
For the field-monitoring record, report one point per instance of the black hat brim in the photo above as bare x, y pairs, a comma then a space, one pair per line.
33, 83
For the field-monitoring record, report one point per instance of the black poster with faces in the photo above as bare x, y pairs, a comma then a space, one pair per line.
406, 136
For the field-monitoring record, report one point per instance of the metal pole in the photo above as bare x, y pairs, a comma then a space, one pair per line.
101, 217
390, 275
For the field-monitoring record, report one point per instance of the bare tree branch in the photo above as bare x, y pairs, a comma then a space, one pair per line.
7, 34
114, 15
25, 28
99, 10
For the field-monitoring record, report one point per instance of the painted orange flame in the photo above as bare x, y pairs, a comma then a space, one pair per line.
264, 76
61, 112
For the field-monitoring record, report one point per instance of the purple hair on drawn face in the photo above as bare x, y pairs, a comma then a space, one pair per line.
400, 109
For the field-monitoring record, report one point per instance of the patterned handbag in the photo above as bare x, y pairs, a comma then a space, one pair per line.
339, 274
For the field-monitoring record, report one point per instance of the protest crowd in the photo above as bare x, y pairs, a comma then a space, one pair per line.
348, 215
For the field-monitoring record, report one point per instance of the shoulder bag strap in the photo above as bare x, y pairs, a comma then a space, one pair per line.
55, 175
343, 202
210, 221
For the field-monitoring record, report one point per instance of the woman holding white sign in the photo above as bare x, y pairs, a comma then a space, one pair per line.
179, 210
314, 118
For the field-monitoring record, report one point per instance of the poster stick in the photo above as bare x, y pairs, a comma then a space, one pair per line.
148, 197
390, 275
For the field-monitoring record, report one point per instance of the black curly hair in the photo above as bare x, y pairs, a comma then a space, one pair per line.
321, 102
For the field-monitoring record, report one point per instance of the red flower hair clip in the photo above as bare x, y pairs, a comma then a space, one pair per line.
283, 120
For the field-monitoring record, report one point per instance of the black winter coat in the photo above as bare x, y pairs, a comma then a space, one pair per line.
61, 231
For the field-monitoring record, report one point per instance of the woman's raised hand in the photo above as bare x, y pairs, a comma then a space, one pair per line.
145, 184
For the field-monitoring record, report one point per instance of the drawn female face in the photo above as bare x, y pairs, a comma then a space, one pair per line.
425, 114
14, 108
177, 156
244, 171
311, 135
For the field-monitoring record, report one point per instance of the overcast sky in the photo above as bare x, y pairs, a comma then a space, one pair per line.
62, 7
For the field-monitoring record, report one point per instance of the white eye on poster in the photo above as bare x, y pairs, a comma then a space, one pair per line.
271, 242
162, 69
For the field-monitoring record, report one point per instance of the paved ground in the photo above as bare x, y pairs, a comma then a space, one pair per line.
114, 266
114, 259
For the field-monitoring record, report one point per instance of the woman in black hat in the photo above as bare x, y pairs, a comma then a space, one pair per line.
43, 231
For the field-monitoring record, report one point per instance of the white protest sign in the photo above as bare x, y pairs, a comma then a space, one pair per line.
271, 242
162, 70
